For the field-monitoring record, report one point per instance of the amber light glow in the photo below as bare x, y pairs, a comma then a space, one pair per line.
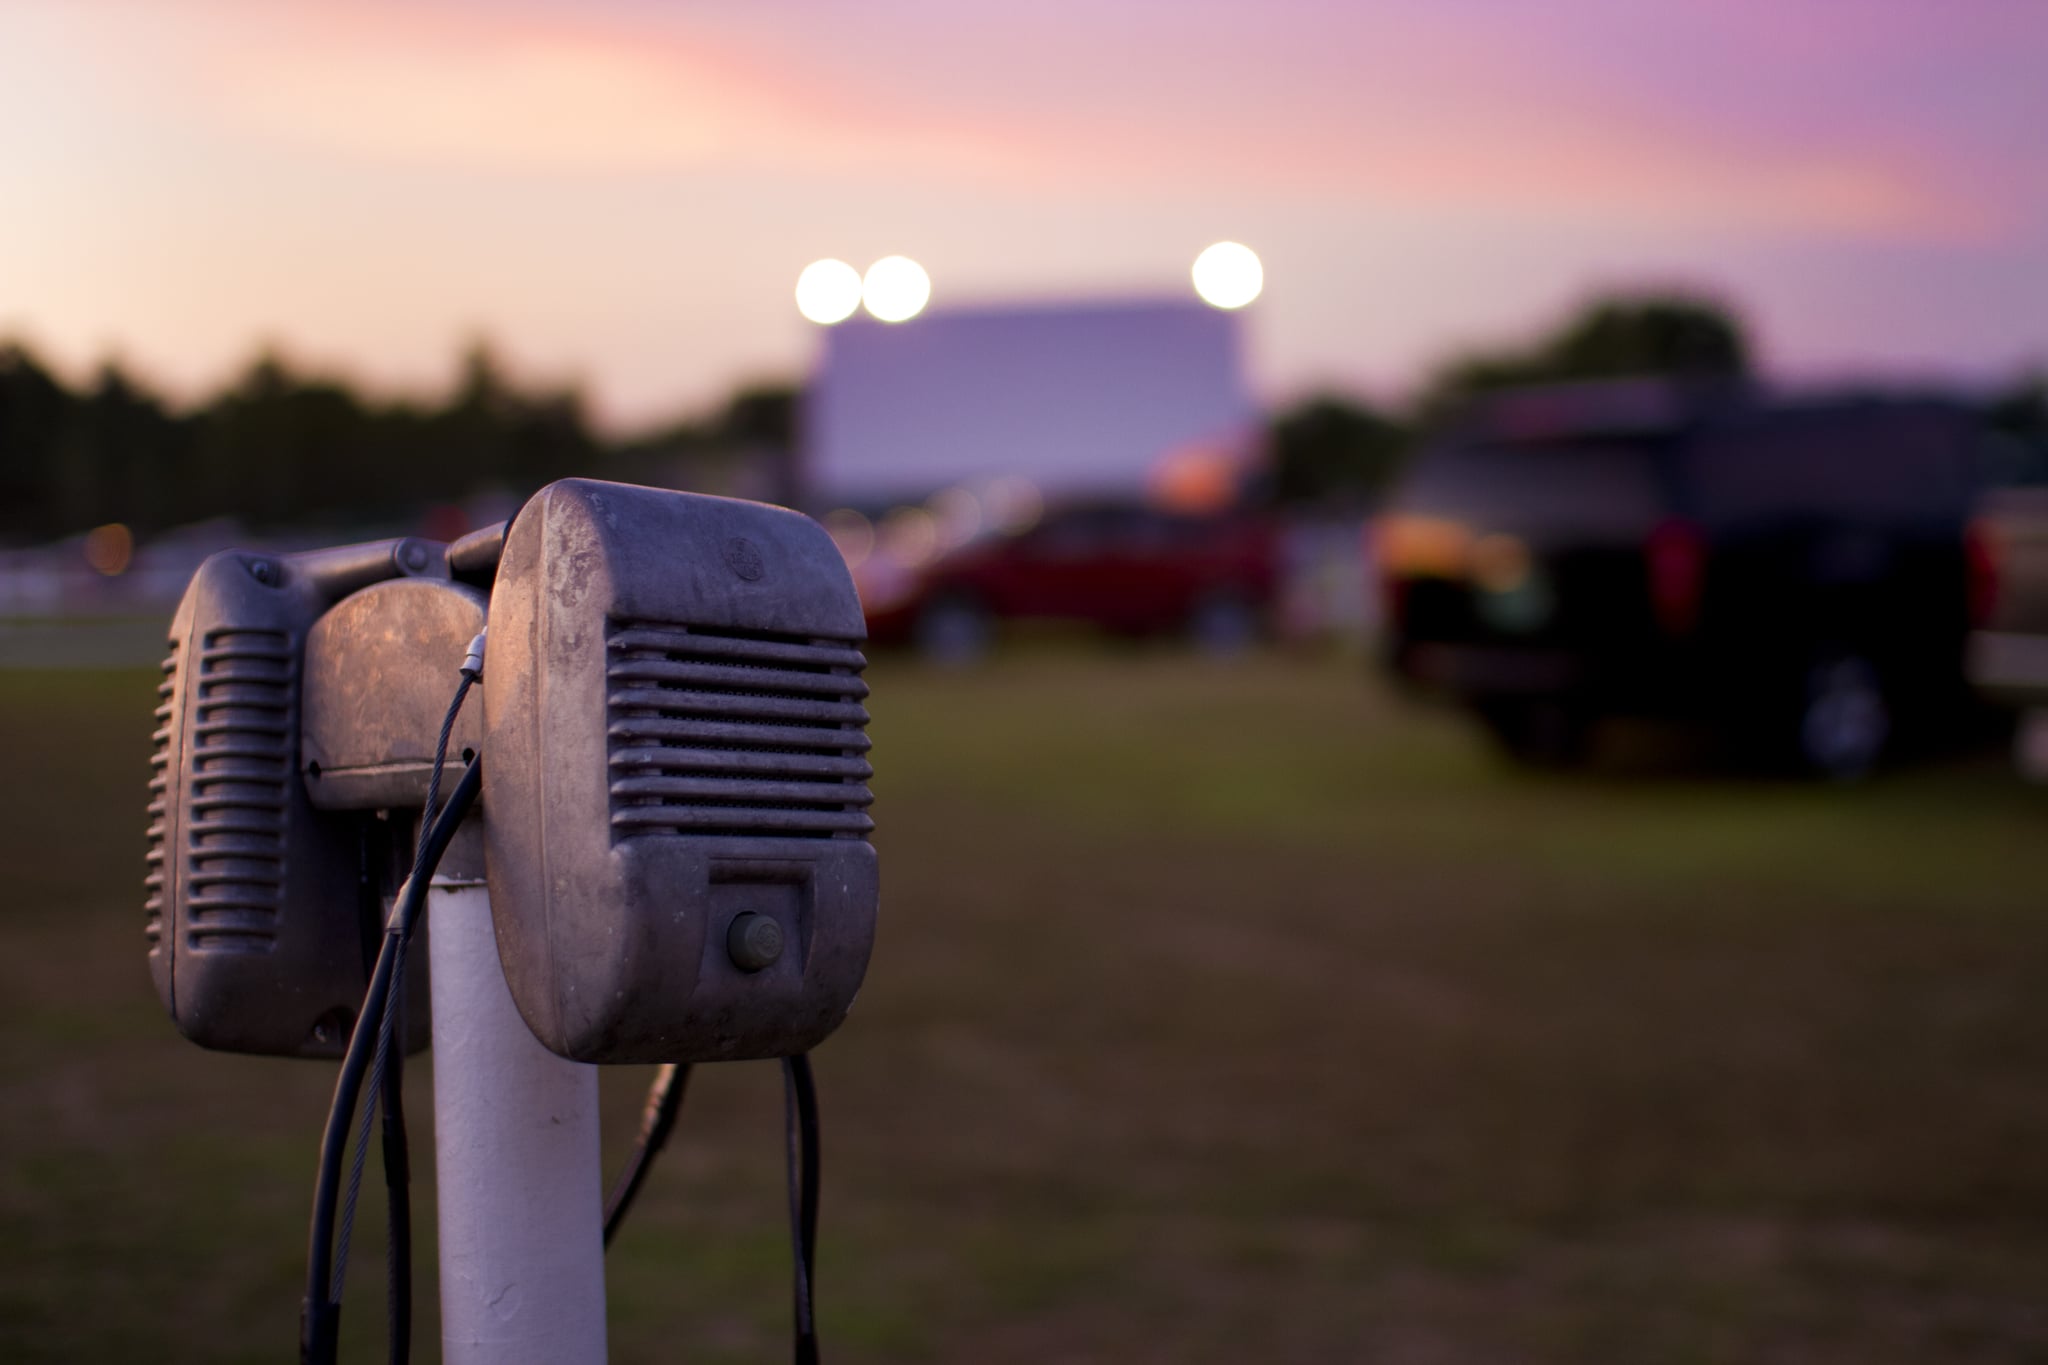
110, 548
1196, 481
1434, 547
1500, 563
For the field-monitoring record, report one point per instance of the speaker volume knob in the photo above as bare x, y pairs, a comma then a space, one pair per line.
753, 942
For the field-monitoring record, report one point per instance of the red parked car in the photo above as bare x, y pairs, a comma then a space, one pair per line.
1122, 566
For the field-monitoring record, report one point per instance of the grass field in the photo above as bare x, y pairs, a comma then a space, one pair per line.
1220, 1014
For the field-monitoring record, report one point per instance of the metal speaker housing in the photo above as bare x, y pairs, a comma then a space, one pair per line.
255, 905
262, 913
674, 776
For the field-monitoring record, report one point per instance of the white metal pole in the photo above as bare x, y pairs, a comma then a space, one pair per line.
516, 1156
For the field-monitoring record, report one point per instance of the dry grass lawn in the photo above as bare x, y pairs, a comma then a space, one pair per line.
1220, 1014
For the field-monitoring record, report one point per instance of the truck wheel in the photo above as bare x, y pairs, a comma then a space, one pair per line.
1844, 721
954, 630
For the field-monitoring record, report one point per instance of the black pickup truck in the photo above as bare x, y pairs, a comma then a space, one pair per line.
1794, 570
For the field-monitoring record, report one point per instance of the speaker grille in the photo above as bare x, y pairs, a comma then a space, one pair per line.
735, 733
159, 793
239, 757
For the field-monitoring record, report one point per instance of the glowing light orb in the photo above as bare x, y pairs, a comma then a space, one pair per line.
896, 289
109, 548
828, 291
1196, 480
1500, 563
1228, 275
908, 535
853, 533
957, 514
1014, 505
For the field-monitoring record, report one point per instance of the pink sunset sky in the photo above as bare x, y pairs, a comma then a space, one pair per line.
623, 193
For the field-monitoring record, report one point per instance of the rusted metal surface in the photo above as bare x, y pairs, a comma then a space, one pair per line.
380, 668
674, 740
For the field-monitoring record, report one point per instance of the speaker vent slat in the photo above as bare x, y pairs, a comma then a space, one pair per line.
260, 938
666, 701
159, 783
747, 647
237, 802
767, 762
744, 677
767, 821
735, 734
744, 789
730, 734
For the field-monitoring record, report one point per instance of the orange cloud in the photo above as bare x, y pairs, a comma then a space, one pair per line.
512, 91
515, 91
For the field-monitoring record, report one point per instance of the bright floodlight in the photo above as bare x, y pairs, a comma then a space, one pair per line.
1228, 275
828, 291
896, 288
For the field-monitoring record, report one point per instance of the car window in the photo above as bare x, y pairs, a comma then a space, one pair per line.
2008, 461
1877, 464
1609, 486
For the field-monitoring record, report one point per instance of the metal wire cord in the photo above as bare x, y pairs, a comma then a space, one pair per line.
420, 873
398, 1204
664, 1102
320, 1310
369, 1050
801, 1130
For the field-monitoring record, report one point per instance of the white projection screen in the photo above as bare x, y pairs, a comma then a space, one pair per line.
1075, 398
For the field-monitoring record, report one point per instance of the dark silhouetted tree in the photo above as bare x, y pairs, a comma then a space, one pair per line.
1331, 448
760, 415
2022, 408
36, 413
1675, 335
123, 455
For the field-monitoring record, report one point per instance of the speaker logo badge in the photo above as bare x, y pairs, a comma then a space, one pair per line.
743, 558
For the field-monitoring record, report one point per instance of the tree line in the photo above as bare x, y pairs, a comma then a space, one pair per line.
1330, 446
281, 446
